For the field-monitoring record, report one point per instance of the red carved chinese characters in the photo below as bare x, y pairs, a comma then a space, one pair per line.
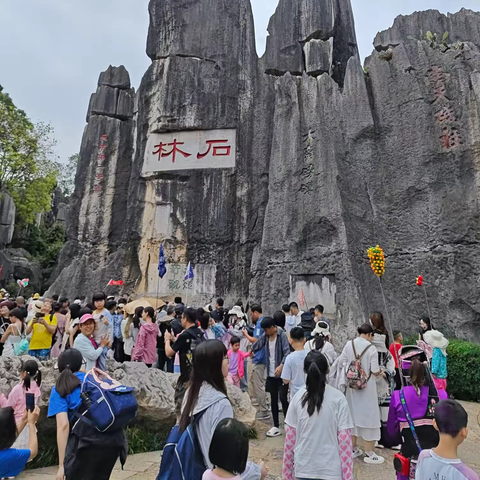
218, 150
162, 153
445, 116
100, 159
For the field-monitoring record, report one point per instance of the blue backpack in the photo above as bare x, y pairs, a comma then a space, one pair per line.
108, 405
182, 457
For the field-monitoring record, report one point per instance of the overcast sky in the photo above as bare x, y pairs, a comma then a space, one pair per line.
52, 51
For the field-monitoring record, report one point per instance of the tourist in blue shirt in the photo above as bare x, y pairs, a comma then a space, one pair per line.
258, 377
83, 452
12, 460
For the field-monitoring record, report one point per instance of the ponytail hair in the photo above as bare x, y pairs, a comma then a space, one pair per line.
417, 374
30, 367
69, 363
316, 368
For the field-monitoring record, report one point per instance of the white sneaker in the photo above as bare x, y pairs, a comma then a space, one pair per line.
396, 447
373, 459
378, 445
274, 432
357, 452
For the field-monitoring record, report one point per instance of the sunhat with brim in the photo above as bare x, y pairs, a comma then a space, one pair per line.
37, 307
86, 318
236, 310
320, 330
435, 339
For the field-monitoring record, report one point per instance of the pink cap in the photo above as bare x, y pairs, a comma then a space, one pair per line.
86, 318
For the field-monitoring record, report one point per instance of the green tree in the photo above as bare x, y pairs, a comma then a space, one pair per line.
66, 176
27, 169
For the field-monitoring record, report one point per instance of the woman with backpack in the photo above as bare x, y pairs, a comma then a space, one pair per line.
361, 361
83, 452
207, 400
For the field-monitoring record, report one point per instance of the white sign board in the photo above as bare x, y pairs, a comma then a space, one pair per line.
189, 150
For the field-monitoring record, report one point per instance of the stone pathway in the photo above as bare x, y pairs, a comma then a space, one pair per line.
144, 466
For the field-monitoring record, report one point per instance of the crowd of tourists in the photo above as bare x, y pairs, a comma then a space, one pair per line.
374, 389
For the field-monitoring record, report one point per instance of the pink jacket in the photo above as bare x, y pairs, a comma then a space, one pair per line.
241, 357
17, 399
145, 349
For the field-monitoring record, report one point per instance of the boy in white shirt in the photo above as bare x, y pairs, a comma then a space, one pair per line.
293, 371
442, 462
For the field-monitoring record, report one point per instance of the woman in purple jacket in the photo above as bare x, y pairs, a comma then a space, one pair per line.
421, 396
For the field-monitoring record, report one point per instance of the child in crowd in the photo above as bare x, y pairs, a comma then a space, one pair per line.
117, 316
12, 460
31, 379
397, 345
293, 370
104, 321
439, 343
229, 451
451, 421
236, 369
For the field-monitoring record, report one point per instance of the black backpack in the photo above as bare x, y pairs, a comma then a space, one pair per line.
307, 322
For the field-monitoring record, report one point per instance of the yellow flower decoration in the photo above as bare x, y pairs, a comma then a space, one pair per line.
377, 260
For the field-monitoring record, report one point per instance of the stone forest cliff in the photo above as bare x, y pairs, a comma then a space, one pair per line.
329, 158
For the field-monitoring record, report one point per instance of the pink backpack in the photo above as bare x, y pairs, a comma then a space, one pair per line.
356, 377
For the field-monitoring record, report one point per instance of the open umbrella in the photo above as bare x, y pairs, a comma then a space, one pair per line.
142, 302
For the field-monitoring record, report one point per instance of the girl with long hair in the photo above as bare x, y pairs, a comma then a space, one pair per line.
318, 442
30, 382
145, 349
208, 394
321, 341
13, 335
83, 452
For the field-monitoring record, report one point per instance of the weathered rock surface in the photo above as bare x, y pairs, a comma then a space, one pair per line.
7, 218
154, 389
99, 203
463, 26
331, 159
19, 264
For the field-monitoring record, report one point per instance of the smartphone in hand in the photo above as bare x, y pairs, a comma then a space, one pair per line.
30, 401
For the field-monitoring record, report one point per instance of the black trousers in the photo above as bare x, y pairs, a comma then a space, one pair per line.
118, 352
163, 359
276, 388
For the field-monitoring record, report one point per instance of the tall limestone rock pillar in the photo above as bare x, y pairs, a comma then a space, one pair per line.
98, 213
313, 58
203, 79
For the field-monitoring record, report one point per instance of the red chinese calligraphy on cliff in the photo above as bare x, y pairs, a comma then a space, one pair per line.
218, 150
173, 152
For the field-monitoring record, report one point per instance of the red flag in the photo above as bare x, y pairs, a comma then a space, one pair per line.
115, 283
301, 297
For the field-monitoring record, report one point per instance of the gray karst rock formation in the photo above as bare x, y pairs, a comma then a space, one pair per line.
330, 160
153, 390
